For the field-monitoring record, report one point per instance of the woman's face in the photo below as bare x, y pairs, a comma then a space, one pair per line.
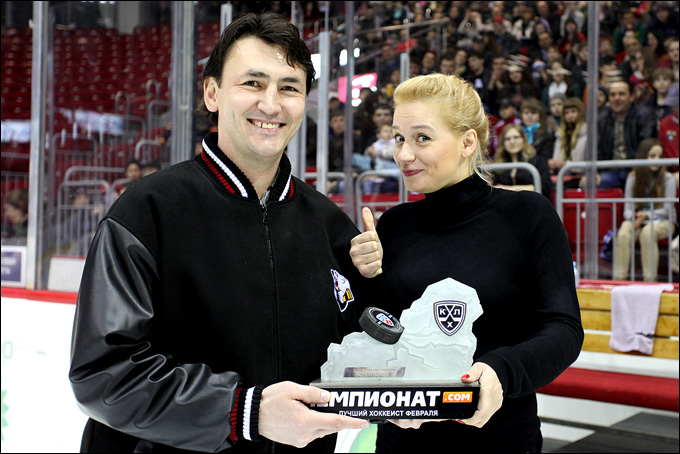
429, 154
540, 28
557, 72
529, 117
515, 76
554, 54
656, 152
570, 114
513, 141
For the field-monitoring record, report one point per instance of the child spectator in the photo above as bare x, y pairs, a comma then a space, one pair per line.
555, 114
508, 115
382, 150
662, 79
382, 154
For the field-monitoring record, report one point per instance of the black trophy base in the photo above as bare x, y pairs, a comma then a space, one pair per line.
381, 400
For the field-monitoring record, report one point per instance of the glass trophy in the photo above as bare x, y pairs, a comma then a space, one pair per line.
407, 368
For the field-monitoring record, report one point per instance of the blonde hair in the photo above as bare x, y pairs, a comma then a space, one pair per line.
459, 106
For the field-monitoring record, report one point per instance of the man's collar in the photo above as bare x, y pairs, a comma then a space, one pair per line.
227, 174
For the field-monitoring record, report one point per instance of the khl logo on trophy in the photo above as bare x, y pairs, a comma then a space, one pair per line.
449, 315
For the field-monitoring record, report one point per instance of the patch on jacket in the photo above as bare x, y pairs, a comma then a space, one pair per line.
343, 292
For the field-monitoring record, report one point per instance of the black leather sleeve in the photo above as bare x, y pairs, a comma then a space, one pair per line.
118, 376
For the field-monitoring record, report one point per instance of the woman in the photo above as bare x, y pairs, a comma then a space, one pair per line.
513, 147
570, 141
648, 224
536, 127
509, 246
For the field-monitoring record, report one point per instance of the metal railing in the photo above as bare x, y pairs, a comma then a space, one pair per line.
77, 218
560, 201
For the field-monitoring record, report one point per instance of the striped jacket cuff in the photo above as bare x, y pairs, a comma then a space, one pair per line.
245, 414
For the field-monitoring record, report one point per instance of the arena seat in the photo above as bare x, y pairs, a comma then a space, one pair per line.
609, 214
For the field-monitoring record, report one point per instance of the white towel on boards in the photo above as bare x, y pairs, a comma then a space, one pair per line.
635, 310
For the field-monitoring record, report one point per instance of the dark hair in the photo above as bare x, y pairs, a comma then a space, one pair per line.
449, 55
133, 161
153, 163
477, 54
336, 113
648, 183
270, 27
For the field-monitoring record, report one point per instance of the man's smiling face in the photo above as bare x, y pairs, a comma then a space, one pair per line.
261, 100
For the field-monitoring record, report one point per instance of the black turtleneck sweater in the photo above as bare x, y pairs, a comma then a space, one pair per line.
511, 247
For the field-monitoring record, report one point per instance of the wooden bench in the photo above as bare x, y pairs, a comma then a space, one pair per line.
615, 387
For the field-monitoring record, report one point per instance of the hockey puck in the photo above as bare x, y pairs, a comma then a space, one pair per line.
380, 325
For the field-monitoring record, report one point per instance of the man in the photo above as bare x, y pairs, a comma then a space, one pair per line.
546, 15
215, 286
478, 76
389, 61
447, 64
621, 127
496, 84
545, 40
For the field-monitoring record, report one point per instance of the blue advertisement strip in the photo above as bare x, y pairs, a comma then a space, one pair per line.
13, 266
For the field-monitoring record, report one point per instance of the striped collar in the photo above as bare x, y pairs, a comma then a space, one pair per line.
226, 174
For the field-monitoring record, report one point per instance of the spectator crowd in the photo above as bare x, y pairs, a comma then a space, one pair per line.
528, 63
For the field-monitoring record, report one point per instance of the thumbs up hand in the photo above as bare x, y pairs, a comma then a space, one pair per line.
366, 250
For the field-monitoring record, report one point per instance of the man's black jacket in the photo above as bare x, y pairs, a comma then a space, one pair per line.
194, 292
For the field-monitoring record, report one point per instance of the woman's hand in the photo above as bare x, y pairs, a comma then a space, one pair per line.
366, 250
490, 393
640, 217
555, 164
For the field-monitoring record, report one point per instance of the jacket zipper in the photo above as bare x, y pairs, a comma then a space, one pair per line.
265, 222
268, 237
